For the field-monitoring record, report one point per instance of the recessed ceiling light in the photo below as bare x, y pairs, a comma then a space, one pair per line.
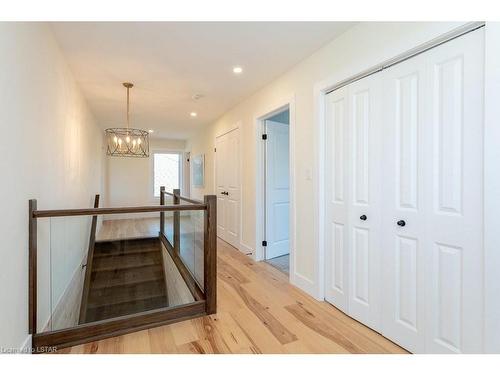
193, 114
237, 70
151, 131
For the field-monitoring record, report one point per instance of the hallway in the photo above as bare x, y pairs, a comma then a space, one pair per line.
258, 312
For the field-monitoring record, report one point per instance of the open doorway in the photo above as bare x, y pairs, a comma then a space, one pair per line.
276, 138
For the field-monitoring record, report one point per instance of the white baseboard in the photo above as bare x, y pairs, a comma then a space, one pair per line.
246, 249
304, 284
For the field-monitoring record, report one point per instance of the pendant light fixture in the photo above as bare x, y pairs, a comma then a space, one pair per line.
127, 142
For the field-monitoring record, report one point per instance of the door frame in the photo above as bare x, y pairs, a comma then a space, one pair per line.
491, 179
259, 120
235, 126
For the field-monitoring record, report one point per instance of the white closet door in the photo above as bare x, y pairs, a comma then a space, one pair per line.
228, 187
403, 187
277, 189
337, 233
364, 206
454, 168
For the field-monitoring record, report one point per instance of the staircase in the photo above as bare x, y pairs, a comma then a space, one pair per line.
126, 277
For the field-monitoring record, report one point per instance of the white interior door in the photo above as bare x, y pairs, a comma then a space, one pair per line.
277, 189
228, 187
364, 206
430, 283
337, 200
454, 166
353, 195
404, 126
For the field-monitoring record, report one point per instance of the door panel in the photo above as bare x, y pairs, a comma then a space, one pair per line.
403, 195
277, 189
454, 247
228, 187
364, 190
424, 127
220, 158
337, 165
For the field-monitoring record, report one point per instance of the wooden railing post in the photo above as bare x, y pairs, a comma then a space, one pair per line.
88, 265
162, 214
32, 262
210, 254
177, 222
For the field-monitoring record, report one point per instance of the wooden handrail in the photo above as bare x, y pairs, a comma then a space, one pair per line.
117, 210
206, 298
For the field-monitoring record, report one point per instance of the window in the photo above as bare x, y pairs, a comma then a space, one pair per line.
166, 171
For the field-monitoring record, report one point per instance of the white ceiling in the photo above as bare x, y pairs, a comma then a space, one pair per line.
170, 61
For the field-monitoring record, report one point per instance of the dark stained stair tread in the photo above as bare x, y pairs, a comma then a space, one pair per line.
126, 277
126, 261
112, 311
105, 279
126, 293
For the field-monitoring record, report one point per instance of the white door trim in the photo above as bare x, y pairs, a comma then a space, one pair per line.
274, 108
491, 189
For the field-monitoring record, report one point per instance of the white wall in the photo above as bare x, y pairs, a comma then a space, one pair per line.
129, 181
51, 151
359, 48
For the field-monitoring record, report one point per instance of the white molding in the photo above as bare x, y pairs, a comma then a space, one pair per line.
491, 189
304, 283
246, 249
272, 109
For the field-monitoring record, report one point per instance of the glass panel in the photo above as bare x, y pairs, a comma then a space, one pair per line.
69, 242
130, 271
191, 244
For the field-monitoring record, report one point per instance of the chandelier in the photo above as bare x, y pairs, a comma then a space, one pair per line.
127, 142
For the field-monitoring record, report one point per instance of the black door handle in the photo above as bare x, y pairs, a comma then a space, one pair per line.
363, 217
401, 223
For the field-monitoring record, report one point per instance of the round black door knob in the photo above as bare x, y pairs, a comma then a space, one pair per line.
401, 223
363, 217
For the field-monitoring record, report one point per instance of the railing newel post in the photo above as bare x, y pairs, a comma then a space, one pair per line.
210, 254
162, 214
32, 266
177, 222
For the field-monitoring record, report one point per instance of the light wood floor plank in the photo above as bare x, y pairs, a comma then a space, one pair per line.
259, 311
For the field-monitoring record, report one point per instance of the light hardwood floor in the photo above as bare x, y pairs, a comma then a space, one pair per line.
258, 311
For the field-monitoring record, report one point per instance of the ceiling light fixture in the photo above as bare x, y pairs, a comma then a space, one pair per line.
193, 114
151, 131
237, 70
127, 142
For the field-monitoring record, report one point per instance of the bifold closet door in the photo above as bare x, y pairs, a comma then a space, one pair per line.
337, 198
364, 206
353, 256
432, 199
404, 136
404, 188
454, 166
